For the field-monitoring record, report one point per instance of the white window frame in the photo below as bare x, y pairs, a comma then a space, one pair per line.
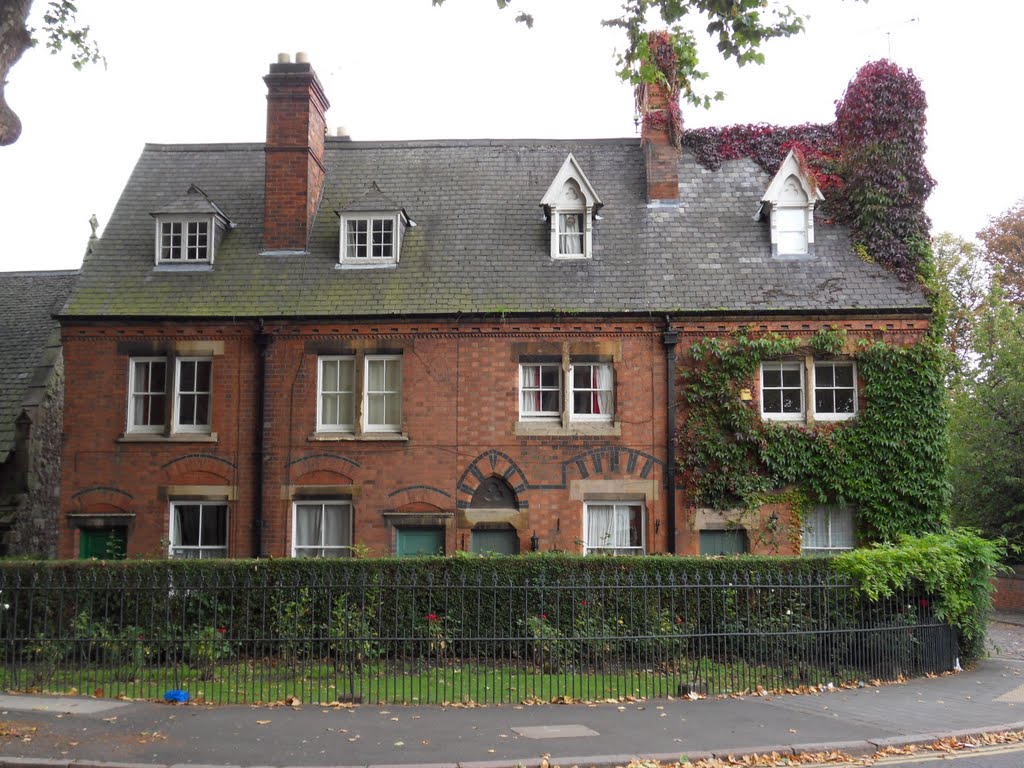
623, 507
341, 426
832, 415
593, 390
184, 222
787, 229
831, 547
348, 255
540, 415
782, 366
132, 393
179, 393
583, 234
386, 426
344, 550
175, 550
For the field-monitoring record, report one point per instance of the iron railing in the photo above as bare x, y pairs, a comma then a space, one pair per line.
254, 636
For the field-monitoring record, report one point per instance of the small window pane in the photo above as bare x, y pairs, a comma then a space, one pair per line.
772, 377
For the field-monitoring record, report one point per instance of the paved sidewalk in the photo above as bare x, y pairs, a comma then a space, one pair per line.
989, 697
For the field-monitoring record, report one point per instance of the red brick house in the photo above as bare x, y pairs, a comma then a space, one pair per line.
315, 346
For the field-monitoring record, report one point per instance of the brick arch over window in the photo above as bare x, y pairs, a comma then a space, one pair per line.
323, 468
198, 468
613, 460
100, 499
489, 464
420, 495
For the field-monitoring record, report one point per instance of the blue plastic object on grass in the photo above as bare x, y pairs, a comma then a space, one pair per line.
176, 697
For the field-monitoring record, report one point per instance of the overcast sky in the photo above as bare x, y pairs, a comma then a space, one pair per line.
191, 71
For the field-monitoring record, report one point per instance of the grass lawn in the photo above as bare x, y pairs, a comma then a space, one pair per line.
405, 681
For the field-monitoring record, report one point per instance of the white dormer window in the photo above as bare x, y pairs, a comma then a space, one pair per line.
371, 239
372, 229
185, 241
570, 205
188, 230
789, 203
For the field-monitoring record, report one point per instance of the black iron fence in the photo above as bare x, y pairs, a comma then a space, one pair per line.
259, 636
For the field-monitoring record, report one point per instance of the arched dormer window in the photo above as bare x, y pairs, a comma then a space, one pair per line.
570, 205
789, 204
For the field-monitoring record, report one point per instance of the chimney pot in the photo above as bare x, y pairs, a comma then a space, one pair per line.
341, 130
284, 58
302, 57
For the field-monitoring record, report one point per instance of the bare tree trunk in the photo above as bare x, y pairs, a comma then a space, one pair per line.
14, 41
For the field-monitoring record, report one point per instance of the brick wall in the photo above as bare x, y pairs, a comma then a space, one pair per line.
1009, 592
460, 426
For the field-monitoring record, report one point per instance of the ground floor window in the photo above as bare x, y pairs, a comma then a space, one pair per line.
613, 528
500, 541
322, 529
411, 542
731, 541
827, 530
103, 544
199, 530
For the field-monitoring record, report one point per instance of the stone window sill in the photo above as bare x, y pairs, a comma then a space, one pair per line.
573, 429
365, 437
177, 437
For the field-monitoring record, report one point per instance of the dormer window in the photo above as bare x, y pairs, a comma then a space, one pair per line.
372, 229
185, 240
788, 203
188, 230
371, 238
570, 206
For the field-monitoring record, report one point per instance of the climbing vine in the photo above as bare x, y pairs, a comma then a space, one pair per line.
889, 461
869, 163
661, 66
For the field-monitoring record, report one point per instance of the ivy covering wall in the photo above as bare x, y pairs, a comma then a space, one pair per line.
890, 461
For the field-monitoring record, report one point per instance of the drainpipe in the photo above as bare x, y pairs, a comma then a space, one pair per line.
669, 338
262, 343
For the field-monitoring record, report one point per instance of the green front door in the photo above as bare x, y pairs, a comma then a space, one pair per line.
410, 542
103, 544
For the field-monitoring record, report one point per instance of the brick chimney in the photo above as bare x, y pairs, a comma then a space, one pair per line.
295, 153
661, 155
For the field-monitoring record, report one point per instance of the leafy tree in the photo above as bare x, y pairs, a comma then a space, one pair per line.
963, 283
739, 28
60, 28
1003, 241
987, 427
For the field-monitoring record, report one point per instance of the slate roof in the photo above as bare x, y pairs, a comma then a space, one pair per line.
481, 243
29, 340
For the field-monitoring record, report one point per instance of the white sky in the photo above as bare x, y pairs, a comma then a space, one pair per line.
191, 71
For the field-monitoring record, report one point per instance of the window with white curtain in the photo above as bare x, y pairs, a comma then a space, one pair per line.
613, 528
592, 391
589, 390
540, 390
322, 529
336, 388
827, 530
199, 530
358, 394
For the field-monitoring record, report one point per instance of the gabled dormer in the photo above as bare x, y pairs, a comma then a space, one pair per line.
788, 203
372, 229
570, 205
189, 229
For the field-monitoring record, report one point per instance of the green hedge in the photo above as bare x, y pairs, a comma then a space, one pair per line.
588, 604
